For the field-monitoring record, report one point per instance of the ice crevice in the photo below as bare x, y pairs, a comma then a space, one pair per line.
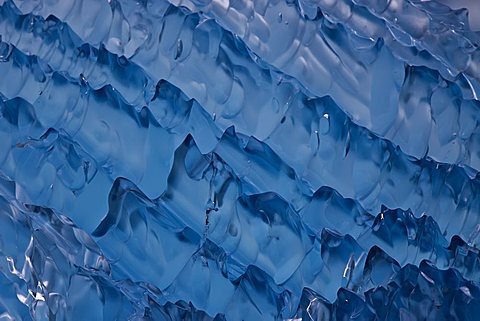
238, 160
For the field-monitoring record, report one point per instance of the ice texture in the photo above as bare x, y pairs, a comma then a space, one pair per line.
220, 160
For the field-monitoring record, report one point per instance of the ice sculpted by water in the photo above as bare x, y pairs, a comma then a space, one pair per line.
208, 160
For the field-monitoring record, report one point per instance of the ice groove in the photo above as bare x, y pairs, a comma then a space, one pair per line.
238, 160
312, 170
454, 148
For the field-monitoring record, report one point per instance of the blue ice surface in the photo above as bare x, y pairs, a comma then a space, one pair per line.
291, 160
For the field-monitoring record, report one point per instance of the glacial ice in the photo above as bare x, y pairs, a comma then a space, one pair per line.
238, 160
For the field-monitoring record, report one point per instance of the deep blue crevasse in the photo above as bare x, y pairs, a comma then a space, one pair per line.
244, 160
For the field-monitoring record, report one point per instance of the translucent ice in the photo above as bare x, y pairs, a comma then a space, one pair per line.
238, 160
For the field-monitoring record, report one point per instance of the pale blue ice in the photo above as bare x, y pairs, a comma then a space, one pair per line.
294, 160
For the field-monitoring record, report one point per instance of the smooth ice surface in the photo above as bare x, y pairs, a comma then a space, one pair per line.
291, 160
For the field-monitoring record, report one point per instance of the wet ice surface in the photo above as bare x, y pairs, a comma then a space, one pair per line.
243, 160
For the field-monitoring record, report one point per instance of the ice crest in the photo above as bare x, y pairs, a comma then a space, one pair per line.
226, 160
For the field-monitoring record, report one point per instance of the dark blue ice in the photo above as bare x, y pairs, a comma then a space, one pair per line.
217, 160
